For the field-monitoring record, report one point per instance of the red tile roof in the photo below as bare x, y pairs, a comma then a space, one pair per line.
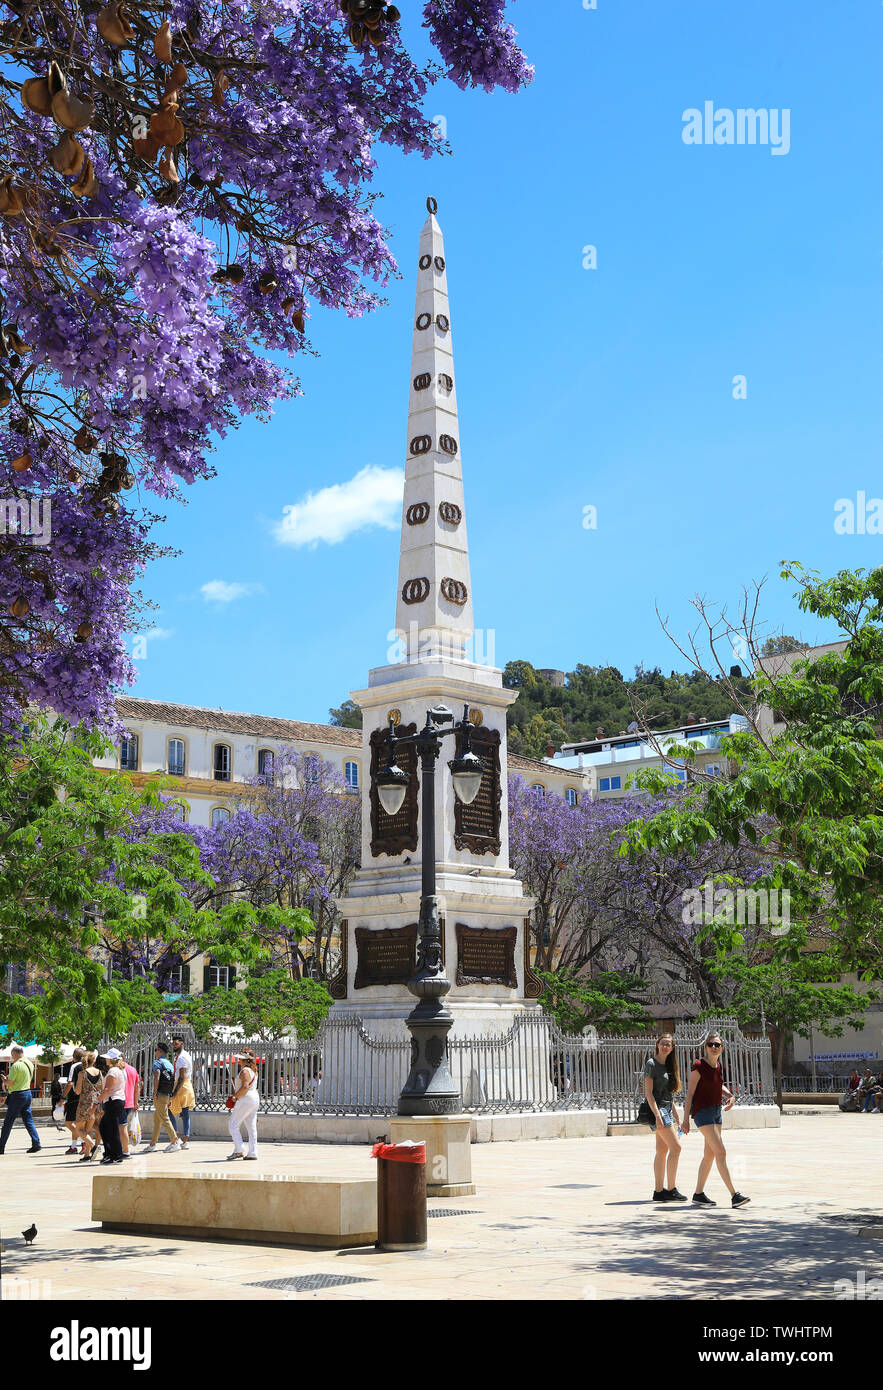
233, 722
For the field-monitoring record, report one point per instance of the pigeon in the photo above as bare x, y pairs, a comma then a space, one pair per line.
29, 1234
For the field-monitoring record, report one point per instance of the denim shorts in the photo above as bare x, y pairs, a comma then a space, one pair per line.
124, 1117
711, 1115
667, 1121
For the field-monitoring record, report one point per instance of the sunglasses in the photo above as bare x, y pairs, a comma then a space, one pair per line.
714, 1046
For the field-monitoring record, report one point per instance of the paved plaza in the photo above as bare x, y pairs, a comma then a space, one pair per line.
566, 1219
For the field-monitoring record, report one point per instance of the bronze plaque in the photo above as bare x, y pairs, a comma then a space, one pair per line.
386, 957
477, 826
486, 955
398, 833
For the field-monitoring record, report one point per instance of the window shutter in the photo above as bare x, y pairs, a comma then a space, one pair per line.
185, 979
232, 977
206, 979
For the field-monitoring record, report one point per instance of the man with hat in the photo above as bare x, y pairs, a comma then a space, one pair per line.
18, 1104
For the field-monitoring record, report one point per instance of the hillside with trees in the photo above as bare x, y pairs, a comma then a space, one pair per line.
597, 698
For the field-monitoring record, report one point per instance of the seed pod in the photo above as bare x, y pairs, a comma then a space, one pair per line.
72, 113
23, 462
162, 42
299, 322
168, 168
35, 95
376, 35
235, 273
357, 35
55, 79
165, 127
74, 476
11, 201
179, 75
148, 148
114, 26
87, 184
288, 303
84, 632
393, 14
84, 440
5, 395
219, 87
68, 155
20, 607
267, 282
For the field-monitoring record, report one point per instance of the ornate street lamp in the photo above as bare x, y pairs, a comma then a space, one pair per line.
430, 1089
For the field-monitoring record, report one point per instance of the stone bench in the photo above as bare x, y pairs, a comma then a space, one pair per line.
274, 1208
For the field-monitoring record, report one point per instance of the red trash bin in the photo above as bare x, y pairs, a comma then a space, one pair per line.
401, 1195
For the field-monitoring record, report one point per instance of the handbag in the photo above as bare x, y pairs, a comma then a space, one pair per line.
645, 1114
229, 1102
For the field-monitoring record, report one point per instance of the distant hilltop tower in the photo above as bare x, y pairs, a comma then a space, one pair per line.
484, 913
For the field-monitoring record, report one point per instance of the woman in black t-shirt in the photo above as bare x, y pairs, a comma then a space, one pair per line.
661, 1084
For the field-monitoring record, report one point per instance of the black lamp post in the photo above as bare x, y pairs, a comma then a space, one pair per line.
430, 1089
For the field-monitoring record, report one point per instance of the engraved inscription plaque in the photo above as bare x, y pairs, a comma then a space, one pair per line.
394, 834
477, 826
386, 957
486, 955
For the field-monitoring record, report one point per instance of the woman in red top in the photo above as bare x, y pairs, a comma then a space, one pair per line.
704, 1096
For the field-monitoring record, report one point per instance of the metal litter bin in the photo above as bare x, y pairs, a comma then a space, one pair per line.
401, 1195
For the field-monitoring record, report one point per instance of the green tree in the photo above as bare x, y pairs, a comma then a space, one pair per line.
348, 716
603, 1000
267, 1007
75, 872
793, 992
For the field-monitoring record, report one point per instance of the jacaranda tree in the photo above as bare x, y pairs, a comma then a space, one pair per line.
180, 184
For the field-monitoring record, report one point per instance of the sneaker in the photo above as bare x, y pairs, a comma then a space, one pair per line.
739, 1200
185, 1143
121, 1159
105, 1161
34, 1149
124, 1157
661, 1195
172, 1148
72, 1150
674, 1195
151, 1149
702, 1201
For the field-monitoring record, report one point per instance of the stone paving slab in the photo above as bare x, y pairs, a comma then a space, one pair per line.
551, 1219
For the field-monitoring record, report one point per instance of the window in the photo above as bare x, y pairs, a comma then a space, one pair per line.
176, 757
351, 773
604, 784
219, 815
538, 787
616, 784
713, 769
311, 769
610, 784
265, 763
219, 976
571, 796
129, 753
177, 980
179, 810
222, 762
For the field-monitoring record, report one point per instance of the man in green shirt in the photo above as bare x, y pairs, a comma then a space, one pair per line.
18, 1105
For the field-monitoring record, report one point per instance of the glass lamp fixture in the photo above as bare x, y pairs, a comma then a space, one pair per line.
466, 774
392, 784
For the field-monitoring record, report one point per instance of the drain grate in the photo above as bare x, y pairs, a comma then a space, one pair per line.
304, 1283
453, 1211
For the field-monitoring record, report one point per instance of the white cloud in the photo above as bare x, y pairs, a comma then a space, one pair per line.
220, 591
372, 498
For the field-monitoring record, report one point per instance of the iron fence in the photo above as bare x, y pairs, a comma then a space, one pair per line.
533, 1066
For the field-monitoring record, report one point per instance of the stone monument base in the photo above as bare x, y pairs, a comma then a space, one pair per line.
448, 1157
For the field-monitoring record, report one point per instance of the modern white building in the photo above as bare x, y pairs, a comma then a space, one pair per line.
610, 763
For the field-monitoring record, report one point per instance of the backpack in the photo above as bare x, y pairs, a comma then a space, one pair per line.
165, 1079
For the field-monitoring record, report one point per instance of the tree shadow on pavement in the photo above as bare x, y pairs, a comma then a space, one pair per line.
724, 1253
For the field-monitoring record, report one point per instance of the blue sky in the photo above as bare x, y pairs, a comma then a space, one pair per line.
610, 388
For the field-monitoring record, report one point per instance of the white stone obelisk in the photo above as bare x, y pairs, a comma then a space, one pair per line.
430, 663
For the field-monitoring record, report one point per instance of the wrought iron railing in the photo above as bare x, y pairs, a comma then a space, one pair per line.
533, 1066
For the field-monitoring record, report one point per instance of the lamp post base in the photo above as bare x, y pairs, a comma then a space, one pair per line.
448, 1152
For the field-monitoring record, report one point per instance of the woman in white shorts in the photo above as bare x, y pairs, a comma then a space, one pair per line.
245, 1109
